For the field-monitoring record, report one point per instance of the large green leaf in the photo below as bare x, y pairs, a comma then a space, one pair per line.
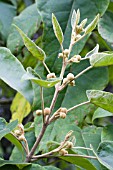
32, 75
28, 21
93, 79
6, 128
7, 13
107, 133
101, 98
105, 154
101, 59
63, 11
105, 27
81, 162
31, 46
5, 164
11, 72
20, 108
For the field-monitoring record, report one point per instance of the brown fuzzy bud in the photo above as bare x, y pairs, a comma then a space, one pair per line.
69, 144
62, 115
78, 37
78, 57
18, 132
38, 112
21, 128
65, 80
60, 55
74, 60
21, 138
64, 110
72, 83
70, 76
46, 111
66, 52
63, 152
51, 75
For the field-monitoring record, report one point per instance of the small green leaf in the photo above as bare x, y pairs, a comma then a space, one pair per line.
92, 25
6, 128
101, 59
95, 50
31, 46
81, 162
57, 29
20, 108
15, 141
73, 19
32, 75
104, 154
101, 99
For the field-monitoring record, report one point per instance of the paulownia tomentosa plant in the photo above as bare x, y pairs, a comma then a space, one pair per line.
67, 149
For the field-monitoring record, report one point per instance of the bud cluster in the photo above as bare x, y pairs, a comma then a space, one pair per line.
51, 75
20, 132
77, 29
46, 112
64, 54
62, 112
75, 59
63, 152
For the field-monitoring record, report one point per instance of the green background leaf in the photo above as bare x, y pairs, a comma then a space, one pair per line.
7, 12
101, 98
11, 72
20, 108
101, 59
29, 21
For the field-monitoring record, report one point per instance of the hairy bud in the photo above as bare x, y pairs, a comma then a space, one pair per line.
38, 112
18, 133
65, 80
46, 111
21, 128
21, 138
69, 144
60, 55
72, 83
51, 75
70, 76
63, 152
78, 37
64, 110
62, 115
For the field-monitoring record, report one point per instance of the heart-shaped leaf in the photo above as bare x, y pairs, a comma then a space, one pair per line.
101, 59
101, 98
